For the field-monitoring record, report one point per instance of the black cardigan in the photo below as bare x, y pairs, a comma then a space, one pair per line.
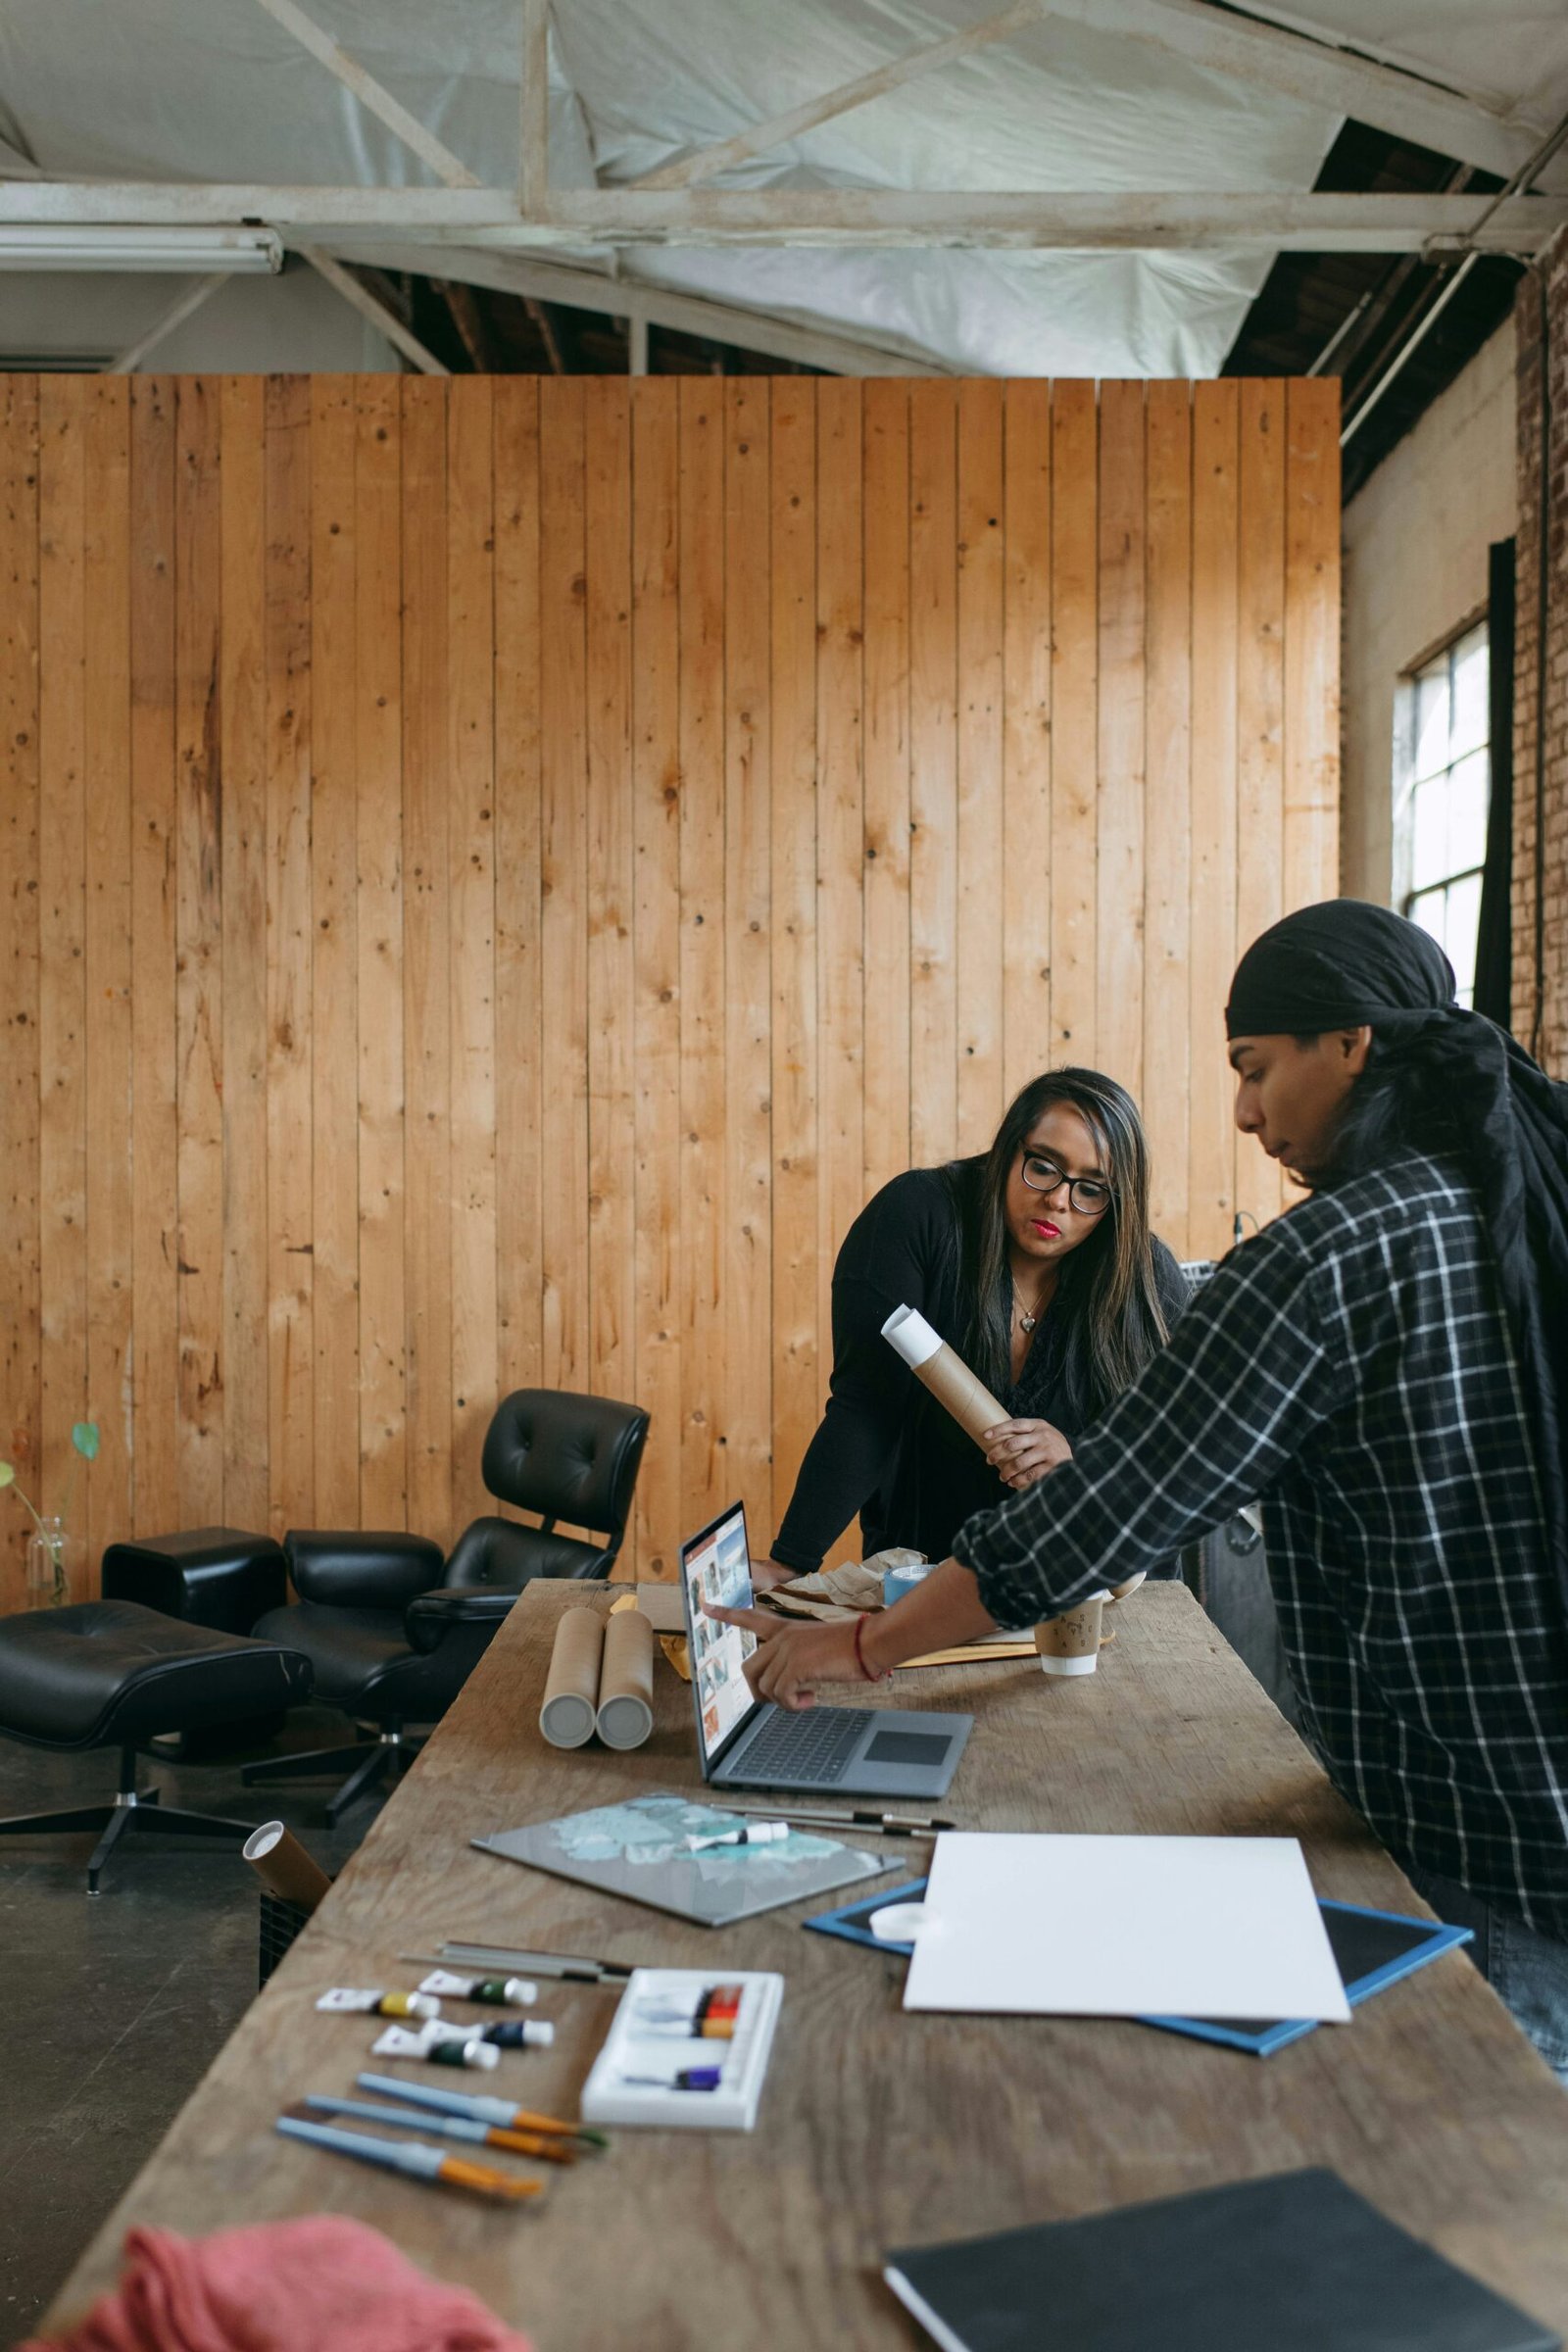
884, 1446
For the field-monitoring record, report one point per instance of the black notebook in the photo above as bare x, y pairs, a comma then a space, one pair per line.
1295, 2263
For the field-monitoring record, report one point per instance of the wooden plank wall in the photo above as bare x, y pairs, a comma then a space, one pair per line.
495, 872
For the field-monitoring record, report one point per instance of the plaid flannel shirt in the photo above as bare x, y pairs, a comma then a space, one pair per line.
1352, 1366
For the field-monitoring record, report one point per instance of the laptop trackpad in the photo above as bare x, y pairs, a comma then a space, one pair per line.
925, 1748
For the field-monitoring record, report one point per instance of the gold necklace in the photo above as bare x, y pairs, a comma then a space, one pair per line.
1026, 1320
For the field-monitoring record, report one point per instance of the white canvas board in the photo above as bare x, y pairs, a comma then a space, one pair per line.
1123, 1927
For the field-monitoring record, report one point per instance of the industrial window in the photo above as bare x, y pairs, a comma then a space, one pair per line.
1442, 779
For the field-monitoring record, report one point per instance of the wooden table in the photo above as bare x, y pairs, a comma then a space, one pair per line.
876, 2128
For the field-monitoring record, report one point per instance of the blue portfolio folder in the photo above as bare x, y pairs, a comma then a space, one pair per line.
1371, 1949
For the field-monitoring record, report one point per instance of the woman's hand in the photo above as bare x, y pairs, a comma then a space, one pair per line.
1022, 1452
790, 1659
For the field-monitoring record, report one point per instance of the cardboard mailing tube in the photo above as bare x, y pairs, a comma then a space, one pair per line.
284, 1866
944, 1372
626, 1681
572, 1691
1071, 1643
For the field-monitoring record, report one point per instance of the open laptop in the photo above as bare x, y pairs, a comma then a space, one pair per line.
747, 1742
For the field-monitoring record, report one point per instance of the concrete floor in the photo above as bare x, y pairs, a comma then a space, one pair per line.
111, 2009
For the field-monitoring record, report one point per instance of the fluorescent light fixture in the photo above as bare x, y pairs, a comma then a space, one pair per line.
43, 245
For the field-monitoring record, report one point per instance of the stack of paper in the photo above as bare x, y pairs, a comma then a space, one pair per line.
1123, 1927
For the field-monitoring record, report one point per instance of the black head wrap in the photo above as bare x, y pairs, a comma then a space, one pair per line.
1343, 964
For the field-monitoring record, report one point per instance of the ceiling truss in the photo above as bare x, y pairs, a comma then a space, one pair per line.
485, 235
1184, 219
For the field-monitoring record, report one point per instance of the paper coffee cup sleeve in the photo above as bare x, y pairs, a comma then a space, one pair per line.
572, 1691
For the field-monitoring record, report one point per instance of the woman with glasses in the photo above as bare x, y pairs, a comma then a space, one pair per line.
1036, 1262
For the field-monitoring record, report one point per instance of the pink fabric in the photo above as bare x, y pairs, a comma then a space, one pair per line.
320, 2284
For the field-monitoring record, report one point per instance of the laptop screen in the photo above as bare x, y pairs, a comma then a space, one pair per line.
716, 1566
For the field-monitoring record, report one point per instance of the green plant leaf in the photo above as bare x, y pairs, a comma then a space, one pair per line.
84, 1438
7, 1473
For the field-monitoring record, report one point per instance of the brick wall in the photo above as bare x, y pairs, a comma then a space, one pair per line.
1541, 1013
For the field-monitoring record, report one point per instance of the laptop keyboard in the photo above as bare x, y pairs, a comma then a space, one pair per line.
809, 1748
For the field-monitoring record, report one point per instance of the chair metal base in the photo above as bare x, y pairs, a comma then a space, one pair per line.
391, 1751
133, 1808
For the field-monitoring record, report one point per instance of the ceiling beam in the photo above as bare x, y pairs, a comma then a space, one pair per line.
1317, 73
371, 94
527, 276
370, 306
1184, 220
186, 303
533, 141
778, 130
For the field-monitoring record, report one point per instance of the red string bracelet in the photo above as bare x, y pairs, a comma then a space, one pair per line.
860, 1653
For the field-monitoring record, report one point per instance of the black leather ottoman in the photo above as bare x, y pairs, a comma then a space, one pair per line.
222, 1577
217, 1575
111, 1673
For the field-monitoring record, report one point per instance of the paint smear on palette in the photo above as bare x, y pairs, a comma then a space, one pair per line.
652, 1831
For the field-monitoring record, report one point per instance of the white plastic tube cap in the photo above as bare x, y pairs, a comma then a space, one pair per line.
908, 1330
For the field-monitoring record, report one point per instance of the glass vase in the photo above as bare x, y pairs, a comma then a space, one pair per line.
51, 1556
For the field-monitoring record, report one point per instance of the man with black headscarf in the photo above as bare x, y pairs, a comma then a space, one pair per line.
1387, 1365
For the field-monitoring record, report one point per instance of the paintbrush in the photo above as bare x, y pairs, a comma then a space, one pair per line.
419, 2162
477, 2110
448, 2126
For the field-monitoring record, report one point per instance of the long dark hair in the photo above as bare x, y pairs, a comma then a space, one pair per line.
1106, 1289
1404, 1100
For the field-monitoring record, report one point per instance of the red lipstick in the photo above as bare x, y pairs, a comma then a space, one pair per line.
1052, 1233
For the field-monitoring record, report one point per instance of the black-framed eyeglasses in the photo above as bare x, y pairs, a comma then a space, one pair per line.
1090, 1196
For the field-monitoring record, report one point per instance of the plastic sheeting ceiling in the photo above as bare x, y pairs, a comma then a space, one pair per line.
214, 89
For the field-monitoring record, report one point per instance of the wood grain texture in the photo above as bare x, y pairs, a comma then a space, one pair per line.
156, 1392
933, 772
887, 779
106, 1499
290, 1031
1259, 719
1169, 1043
877, 2129
840, 978
427, 959
520, 1091
701, 723
563, 875
748, 1007
612, 1008
1121, 798
797, 1363
245, 897
1311, 641
199, 948
1026, 747
983, 887
518, 864
655, 1149
378, 949
471, 888
62, 927
1211, 1148
21, 1072
334, 956
1074, 721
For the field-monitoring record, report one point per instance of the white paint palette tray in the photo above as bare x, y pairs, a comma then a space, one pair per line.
688, 2047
